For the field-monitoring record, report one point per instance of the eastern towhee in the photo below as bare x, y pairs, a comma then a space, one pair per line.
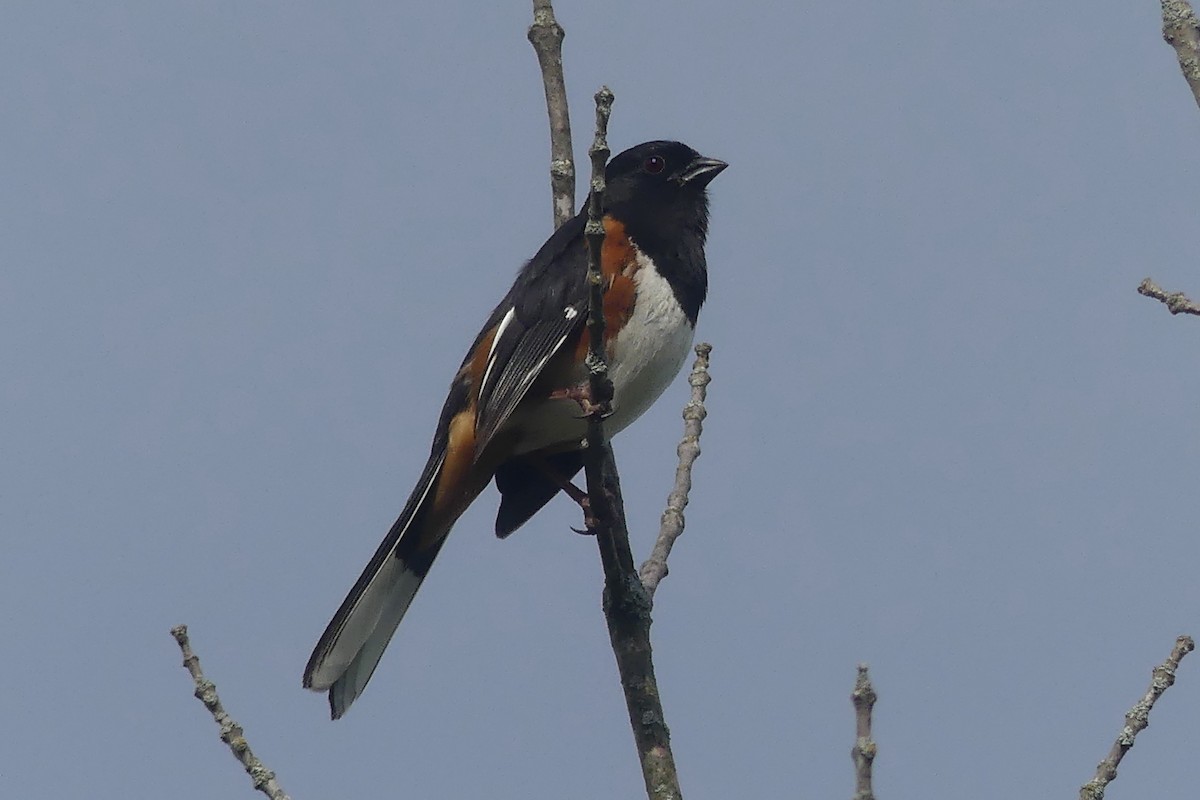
513, 411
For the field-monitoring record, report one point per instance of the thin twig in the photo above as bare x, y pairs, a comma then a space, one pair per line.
1182, 32
231, 732
1176, 302
600, 386
863, 751
626, 602
671, 526
546, 36
1137, 720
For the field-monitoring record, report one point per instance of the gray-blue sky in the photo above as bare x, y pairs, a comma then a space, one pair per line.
244, 246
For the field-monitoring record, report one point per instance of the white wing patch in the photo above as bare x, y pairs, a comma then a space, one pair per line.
491, 360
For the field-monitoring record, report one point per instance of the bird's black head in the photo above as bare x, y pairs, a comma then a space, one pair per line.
658, 190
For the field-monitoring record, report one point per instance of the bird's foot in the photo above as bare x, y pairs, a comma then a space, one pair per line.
582, 395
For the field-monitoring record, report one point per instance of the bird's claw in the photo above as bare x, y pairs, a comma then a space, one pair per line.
582, 395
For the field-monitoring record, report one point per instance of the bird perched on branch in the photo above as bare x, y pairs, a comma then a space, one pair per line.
513, 412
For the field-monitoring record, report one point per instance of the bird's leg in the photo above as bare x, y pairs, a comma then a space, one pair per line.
569, 489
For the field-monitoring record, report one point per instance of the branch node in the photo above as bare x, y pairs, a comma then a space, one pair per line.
863, 753
546, 36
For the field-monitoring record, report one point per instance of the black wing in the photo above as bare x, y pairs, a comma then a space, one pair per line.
544, 308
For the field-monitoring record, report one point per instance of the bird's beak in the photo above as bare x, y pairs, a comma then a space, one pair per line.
701, 170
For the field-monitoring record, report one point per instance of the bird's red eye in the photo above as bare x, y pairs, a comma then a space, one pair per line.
655, 164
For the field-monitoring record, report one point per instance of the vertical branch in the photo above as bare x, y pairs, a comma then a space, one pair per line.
863, 751
601, 387
1136, 720
231, 732
546, 36
1181, 31
626, 601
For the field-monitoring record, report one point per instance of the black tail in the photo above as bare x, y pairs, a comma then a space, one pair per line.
354, 641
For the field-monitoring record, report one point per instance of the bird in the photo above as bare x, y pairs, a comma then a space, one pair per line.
513, 412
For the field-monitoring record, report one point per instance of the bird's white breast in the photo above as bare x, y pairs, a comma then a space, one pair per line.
650, 349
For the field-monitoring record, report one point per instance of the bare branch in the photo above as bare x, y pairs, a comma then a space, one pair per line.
1176, 302
1137, 720
863, 751
231, 732
546, 36
601, 387
1182, 32
626, 602
671, 526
